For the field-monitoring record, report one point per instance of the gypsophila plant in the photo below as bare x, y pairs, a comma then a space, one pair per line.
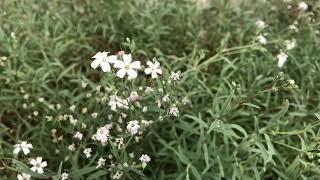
106, 129
159, 89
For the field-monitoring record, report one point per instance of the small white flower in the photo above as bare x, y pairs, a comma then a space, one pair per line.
127, 67
291, 82
302, 6
145, 109
153, 69
78, 135
294, 28
72, 108
282, 58
38, 165
185, 100
261, 24
102, 59
87, 152
101, 162
175, 76
64, 176
24, 146
133, 127
116, 102
84, 84
148, 90
174, 111
36, 113
72, 147
24, 176
102, 134
290, 44
145, 158
166, 98
262, 39
117, 175
134, 96
94, 115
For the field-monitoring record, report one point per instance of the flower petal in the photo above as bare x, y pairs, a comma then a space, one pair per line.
156, 64
119, 64
34, 168
44, 164
154, 75
16, 150
105, 66
132, 74
40, 170
39, 160
147, 70
33, 162
127, 58
112, 58
159, 71
135, 65
95, 63
26, 150
121, 73
149, 63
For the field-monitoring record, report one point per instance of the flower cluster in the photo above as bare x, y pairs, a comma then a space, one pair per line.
124, 65
112, 118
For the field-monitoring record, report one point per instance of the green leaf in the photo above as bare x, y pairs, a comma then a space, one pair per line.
97, 174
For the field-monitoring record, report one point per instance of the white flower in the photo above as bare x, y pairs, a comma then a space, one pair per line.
87, 152
115, 102
102, 59
134, 96
64, 176
290, 44
24, 146
102, 134
175, 76
166, 98
101, 162
72, 147
145, 158
78, 135
291, 82
153, 69
262, 39
117, 175
127, 67
24, 176
174, 111
282, 58
261, 24
145, 109
38, 165
294, 28
133, 127
185, 100
302, 6
148, 90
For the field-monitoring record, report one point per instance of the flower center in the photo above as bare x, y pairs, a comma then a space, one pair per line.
126, 67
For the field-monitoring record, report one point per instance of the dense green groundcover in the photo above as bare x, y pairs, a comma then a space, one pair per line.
246, 119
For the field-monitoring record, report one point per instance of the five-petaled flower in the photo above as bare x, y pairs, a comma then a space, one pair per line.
38, 165
24, 146
127, 67
153, 69
24, 176
102, 59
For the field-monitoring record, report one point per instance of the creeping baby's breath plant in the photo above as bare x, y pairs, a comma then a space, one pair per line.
159, 89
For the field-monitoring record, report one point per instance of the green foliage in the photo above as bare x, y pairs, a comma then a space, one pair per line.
246, 120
